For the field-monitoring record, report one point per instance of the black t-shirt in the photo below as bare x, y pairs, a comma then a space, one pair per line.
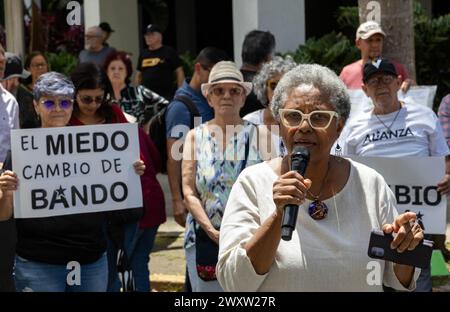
157, 68
62, 239
251, 103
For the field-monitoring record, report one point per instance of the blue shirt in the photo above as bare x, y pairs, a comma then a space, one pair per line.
178, 114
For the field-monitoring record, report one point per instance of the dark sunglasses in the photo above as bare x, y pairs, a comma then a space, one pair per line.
272, 84
51, 104
87, 99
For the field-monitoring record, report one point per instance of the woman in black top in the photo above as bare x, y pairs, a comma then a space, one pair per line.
62, 253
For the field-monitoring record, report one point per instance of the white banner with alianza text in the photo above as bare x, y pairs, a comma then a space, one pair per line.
72, 170
414, 183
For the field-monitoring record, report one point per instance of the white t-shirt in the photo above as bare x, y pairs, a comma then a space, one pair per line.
325, 255
9, 119
416, 131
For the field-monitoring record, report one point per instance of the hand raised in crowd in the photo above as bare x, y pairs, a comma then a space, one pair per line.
290, 188
8, 182
443, 186
139, 167
409, 233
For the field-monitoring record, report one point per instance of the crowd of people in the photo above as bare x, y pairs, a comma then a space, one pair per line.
229, 134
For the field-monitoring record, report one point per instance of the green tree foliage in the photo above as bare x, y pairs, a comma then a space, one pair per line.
62, 62
188, 61
432, 46
333, 50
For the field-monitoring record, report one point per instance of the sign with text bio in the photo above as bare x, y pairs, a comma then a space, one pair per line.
72, 170
413, 180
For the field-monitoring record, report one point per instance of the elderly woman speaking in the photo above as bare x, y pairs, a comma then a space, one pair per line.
328, 250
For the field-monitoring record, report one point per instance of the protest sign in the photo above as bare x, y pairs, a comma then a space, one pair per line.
413, 181
72, 170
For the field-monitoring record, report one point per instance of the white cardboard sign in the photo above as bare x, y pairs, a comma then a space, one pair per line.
413, 181
72, 170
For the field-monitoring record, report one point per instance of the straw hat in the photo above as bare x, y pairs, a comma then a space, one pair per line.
226, 72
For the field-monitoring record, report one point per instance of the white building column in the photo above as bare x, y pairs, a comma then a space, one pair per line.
14, 27
91, 13
286, 20
123, 18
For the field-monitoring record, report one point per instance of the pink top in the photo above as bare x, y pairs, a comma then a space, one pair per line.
352, 74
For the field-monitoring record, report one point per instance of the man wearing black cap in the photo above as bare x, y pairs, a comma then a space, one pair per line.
157, 65
107, 30
395, 129
13, 72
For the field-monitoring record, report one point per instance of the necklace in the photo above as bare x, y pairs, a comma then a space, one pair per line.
318, 210
395, 118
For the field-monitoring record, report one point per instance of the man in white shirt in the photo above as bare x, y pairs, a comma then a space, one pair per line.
9, 112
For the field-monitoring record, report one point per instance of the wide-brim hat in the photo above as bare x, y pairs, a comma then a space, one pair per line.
378, 66
226, 72
368, 29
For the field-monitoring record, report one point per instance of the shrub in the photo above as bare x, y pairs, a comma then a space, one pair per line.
188, 61
62, 62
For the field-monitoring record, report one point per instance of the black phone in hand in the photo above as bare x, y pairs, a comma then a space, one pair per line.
380, 248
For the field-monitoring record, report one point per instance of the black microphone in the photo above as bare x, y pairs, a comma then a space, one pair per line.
299, 162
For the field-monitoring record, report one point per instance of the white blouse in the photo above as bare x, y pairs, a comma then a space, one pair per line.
324, 255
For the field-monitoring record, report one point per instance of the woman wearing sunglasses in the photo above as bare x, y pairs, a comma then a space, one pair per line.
264, 83
91, 106
340, 201
213, 156
136, 237
46, 246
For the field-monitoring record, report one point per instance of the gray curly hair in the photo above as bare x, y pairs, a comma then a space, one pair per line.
332, 89
278, 66
53, 84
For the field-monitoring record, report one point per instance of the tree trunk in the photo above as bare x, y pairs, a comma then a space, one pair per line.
37, 34
396, 19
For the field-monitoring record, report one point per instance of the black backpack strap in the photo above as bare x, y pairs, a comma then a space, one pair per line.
186, 100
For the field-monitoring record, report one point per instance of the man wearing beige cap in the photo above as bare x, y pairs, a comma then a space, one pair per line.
369, 40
